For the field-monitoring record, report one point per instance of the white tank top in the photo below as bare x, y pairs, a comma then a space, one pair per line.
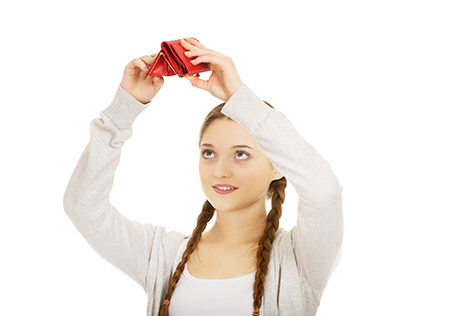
207, 297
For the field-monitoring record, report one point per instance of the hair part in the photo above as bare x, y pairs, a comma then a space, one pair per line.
275, 192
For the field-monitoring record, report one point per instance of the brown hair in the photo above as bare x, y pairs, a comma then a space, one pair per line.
276, 192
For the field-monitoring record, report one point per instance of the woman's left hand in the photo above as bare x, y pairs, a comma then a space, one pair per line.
224, 80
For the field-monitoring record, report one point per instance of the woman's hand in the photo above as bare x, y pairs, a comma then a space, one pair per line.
132, 81
224, 80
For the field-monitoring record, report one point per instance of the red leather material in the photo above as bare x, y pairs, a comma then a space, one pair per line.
171, 61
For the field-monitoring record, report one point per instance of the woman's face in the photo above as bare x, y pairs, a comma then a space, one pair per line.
234, 173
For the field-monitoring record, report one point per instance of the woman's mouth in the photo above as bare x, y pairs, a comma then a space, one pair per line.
224, 188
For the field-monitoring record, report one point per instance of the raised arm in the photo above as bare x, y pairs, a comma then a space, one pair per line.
317, 237
124, 243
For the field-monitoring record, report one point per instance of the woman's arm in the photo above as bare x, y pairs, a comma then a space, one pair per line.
124, 243
317, 237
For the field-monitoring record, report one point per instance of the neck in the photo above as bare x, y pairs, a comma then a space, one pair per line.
238, 227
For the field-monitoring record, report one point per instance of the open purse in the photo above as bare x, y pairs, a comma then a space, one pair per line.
171, 61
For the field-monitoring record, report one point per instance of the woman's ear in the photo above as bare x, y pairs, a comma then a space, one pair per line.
277, 175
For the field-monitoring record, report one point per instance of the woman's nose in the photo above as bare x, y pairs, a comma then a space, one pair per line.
222, 170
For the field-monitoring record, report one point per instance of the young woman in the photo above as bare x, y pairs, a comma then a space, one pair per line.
245, 264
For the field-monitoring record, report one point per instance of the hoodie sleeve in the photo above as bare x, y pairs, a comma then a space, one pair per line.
317, 237
124, 243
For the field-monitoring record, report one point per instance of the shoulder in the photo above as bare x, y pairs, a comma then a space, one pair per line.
282, 241
166, 241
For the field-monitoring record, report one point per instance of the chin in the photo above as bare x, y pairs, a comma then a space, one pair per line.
220, 206
228, 206
234, 201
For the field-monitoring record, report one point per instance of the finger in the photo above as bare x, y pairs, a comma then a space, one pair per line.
205, 55
191, 44
158, 82
147, 59
194, 42
198, 83
158, 79
186, 45
214, 59
138, 63
202, 52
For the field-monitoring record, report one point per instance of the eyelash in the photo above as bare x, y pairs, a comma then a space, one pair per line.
243, 152
205, 151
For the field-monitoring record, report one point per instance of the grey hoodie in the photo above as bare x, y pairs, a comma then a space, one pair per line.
302, 259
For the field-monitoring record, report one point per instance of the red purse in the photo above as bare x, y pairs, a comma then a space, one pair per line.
171, 61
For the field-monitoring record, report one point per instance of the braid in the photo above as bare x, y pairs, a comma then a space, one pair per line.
206, 214
277, 193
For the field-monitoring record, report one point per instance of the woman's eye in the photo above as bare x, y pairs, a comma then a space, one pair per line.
241, 155
207, 154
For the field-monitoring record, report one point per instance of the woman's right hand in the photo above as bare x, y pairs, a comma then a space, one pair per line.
132, 81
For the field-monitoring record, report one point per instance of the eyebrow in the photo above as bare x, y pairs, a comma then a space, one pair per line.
233, 147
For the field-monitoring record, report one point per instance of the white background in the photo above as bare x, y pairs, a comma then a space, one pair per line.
382, 89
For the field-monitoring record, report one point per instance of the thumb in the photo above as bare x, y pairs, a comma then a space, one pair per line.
196, 82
